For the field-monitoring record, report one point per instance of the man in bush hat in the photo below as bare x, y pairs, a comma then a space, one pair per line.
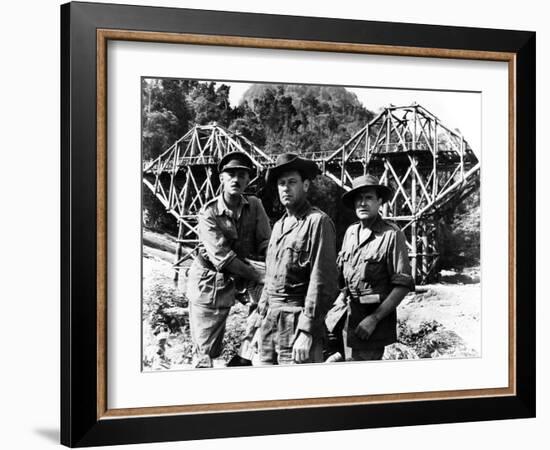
301, 274
375, 274
231, 229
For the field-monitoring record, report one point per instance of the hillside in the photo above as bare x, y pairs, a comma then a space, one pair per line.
302, 118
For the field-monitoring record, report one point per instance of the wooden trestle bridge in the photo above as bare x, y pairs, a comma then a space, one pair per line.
429, 166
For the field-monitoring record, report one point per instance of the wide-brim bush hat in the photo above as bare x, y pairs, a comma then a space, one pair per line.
236, 160
291, 161
366, 182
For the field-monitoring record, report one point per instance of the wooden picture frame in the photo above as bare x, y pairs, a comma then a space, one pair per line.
85, 416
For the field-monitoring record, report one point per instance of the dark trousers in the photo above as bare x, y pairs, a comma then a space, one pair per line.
367, 355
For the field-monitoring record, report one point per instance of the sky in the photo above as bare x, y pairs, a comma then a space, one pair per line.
460, 110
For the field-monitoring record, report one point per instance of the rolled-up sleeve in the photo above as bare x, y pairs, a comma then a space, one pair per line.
322, 287
215, 243
399, 266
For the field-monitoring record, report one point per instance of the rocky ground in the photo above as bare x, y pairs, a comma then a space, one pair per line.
444, 318
439, 320
166, 339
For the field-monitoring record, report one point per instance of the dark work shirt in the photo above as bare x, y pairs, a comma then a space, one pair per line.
301, 266
370, 266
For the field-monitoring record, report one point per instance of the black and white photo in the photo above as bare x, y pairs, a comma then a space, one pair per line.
296, 223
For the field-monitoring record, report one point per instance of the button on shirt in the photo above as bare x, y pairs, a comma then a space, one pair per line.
370, 266
301, 266
223, 236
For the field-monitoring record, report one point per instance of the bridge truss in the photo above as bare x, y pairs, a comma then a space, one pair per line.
430, 167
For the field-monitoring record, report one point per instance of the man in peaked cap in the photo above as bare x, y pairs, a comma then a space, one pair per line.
374, 274
301, 274
232, 228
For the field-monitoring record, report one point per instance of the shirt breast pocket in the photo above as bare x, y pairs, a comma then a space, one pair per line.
375, 269
227, 227
297, 255
343, 257
344, 262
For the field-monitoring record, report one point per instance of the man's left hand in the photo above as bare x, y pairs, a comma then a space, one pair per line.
366, 327
301, 347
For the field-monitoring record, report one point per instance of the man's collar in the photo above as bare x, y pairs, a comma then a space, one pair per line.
301, 211
377, 225
222, 207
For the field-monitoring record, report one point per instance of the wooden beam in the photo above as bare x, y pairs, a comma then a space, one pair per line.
399, 185
413, 163
358, 141
395, 127
367, 149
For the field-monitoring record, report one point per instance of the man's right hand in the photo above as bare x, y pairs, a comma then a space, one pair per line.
302, 347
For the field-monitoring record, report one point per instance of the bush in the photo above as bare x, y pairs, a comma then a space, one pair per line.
459, 235
161, 303
432, 340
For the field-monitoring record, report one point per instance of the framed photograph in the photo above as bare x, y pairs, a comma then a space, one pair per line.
279, 224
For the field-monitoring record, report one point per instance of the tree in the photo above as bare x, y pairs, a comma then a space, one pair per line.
306, 118
459, 234
248, 124
166, 113
276, 118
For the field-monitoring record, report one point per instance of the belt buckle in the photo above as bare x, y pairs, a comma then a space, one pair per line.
369, 299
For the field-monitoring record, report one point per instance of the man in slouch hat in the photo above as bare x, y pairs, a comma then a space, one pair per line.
301, 274
375, 274
232, 228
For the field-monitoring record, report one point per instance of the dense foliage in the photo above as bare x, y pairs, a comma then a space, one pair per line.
300, 118
170, 108
459, 234
278, 118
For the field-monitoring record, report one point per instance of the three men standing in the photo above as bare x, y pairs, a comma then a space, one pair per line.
231, 229
303, 274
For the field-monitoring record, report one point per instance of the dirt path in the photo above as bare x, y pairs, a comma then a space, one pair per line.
456, 306
453, 308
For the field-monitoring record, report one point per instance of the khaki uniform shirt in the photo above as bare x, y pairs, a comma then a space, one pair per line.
224, 236
370, 266
301, 268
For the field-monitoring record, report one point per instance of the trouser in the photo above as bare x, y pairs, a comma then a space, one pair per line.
207, 327
278, 332
367, 355
359, 354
